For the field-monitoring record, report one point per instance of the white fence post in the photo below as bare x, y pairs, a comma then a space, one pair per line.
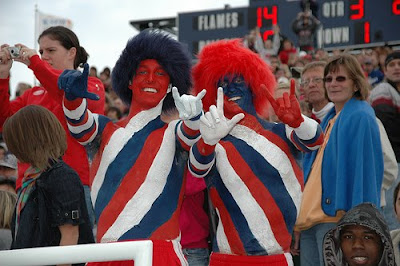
139, 251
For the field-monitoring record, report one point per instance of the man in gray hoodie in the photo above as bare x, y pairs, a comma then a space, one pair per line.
360, 237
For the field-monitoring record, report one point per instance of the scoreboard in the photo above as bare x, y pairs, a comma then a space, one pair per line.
344, 23
200, 28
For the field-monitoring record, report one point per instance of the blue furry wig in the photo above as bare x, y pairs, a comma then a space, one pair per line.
153, 44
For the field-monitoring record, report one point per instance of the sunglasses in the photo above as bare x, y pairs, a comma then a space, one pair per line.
338, 79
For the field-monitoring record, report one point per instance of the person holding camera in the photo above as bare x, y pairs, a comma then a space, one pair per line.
59, 49
305, 25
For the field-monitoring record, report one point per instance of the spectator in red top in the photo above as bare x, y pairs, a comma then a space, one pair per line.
287, 48
60, 49
194, 222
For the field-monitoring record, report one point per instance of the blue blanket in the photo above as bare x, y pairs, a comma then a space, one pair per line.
352, 165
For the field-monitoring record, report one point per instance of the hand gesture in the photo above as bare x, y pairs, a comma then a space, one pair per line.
25, 54
287, 108
5, 62
214, 125
188, 106
275, 28
74, 84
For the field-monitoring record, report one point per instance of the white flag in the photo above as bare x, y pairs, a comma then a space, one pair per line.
45, 21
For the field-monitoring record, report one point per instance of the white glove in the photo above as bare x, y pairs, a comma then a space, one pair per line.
188, 106
214, 125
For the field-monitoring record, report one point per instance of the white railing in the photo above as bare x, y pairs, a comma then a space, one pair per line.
139, 251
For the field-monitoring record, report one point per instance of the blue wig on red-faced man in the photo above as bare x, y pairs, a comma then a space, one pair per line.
172, 55
230, 57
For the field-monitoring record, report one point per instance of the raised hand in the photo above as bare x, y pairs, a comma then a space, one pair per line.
214, 125
25, 54
74, 84
188, 106
287, 108
5, 61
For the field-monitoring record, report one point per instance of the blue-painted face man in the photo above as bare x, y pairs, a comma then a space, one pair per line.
236, 90
251, 166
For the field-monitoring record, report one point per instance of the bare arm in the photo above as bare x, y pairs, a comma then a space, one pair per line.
69, 236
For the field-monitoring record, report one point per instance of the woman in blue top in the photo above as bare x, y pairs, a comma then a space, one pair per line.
352, 166
348, 168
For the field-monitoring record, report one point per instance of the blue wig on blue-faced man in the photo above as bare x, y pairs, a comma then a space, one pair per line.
172, 55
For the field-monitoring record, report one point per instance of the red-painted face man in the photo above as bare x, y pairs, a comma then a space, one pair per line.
150, 84
138, 170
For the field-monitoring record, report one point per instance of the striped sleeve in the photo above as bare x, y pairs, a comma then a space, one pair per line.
188, 132
201, 159
307, 137
386, 97
82, 124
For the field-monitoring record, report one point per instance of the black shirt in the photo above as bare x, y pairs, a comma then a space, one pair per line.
57, 199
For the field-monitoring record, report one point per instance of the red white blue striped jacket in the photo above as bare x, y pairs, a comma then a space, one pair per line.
137, 172
256, 181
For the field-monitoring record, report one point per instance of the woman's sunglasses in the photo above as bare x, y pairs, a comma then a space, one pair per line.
338, 79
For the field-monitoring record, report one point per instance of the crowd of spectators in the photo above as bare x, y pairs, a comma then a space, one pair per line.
286, 62
382, 73
114, 107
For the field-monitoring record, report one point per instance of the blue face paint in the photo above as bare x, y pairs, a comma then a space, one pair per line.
236, 90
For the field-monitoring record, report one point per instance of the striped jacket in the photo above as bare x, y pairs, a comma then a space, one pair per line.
256, 181
137, 172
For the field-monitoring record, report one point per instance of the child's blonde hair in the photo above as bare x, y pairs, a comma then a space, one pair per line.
7, 205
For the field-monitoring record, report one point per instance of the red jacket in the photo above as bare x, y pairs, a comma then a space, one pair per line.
284, 55
50, 97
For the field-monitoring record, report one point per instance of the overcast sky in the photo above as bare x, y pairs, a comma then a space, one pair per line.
102, 26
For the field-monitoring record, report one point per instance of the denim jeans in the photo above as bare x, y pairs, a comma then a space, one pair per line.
388, 210
197, 256
311, 241
89, 204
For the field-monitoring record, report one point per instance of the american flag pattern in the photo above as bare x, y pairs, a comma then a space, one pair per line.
137, 173
255, 181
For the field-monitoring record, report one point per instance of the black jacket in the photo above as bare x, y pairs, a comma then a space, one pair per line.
57, 199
